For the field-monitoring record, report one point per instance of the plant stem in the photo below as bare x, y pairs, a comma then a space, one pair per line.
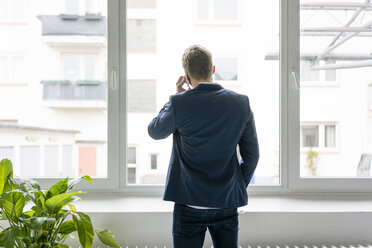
59, 224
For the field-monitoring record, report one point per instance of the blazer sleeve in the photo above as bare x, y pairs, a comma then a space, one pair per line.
249, 150
164, 123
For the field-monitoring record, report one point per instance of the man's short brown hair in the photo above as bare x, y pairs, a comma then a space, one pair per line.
197, 61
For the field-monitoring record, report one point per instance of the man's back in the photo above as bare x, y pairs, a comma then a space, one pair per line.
207, 123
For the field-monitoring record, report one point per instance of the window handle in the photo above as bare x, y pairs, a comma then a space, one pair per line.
113, 79
296, 78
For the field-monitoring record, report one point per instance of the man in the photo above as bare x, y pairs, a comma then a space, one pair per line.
205, 179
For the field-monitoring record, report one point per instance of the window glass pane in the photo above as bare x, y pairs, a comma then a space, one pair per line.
72, 7
330, 136
226, 10
132, 156
342, 85
306, 73
90, 67
19, 68
71, 66
7, 152
154, 66
330, 75
132, 176
67, 161
141, 36
142, 96
226, 69
203, 9
29, 157
59, 65
3, 9
18, 9
310, 136
141, 4
3, 68
154, 161
51, 161
87, 161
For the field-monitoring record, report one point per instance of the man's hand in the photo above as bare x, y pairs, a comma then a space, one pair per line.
181, 81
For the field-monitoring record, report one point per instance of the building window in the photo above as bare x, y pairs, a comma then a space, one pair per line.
154, 161
307, 74
330, 136
141, 4
79, 67
29, 161
67, 161
310, 136
131, 176
318, 135
81, 7
330, 75
72, 7
131, 164
226, 69
217, 11
7, 152
88, 161
141, 36
51, 161
12, 10
13, 68
141, 96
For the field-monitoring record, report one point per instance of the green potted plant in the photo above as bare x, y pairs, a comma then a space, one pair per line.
43, 218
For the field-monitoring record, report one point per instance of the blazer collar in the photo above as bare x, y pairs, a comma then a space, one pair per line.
208, 86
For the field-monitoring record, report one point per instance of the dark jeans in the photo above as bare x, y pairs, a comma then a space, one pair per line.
190, 225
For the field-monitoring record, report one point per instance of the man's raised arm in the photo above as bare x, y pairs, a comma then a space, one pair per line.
164, 123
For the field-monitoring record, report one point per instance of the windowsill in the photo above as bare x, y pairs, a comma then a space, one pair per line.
301, 203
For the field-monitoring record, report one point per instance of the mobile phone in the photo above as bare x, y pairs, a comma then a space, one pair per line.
188, 81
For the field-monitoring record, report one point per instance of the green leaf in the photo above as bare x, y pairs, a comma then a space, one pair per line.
107, 237
55, 203
29, 184
36, 223
67, 227
74, 181
9, 237
72, 208
29, 214
84, 228
6, 171
58, 188
61, 246
13, 203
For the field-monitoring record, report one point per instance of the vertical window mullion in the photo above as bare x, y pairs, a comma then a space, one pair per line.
293, 91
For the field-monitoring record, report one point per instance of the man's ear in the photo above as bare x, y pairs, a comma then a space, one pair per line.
214, 70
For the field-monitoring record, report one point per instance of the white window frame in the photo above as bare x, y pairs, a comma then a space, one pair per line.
290, 180
291, 57
115, 111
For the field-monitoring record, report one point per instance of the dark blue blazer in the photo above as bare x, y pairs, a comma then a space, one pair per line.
207, 123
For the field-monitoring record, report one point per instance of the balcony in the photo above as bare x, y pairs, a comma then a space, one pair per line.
72, 30
81, 94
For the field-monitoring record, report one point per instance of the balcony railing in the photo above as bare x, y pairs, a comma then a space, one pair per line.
58, 92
